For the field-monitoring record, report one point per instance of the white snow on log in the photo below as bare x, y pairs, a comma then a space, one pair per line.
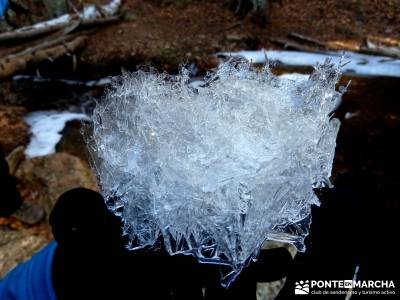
359, 64
45, 130
109, 9
89, 12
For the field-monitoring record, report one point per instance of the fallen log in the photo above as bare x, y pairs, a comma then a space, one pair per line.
47, 42
9, 67
89, 12
23, 35
41, 31
387, 41
307, 39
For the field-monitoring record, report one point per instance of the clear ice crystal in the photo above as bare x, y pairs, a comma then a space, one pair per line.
217, 170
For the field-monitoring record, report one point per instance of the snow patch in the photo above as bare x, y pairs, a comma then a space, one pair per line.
45, 129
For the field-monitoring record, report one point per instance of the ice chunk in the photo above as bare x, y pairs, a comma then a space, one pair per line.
218, 169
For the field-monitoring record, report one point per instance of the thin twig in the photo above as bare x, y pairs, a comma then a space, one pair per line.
287, 44
307, 39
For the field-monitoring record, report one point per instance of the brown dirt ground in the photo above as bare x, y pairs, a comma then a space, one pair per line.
168, 35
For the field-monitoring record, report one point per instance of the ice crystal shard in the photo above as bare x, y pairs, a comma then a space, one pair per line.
217, 170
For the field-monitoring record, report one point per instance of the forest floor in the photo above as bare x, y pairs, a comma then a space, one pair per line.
168, 33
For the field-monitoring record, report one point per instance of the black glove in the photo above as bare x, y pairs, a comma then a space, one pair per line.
91, 261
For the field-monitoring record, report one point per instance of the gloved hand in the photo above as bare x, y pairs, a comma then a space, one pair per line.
91, 261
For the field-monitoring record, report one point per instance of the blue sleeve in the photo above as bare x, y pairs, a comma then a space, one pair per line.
3, 7
31, 280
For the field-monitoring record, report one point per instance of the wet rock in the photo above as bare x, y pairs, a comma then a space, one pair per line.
72, 141
17, 246
29, 213
14, 131
50, 176
15, 158
269, 290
